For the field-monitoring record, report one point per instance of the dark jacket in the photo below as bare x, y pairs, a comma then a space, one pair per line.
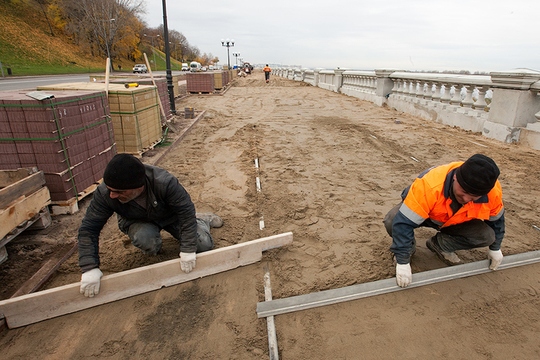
167, 202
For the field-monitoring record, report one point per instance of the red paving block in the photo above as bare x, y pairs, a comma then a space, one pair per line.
52, 136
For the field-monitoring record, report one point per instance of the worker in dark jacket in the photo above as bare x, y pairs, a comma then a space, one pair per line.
462, 201
146, 200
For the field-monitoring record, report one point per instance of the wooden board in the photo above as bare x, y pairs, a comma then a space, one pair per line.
8, 177
10, 192
23, 210
47, 304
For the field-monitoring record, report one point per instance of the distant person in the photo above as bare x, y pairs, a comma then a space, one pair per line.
146, 199
462, 201
267, 72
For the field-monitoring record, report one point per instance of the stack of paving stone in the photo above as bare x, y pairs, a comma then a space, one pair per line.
66, 134
201, 82
134, 112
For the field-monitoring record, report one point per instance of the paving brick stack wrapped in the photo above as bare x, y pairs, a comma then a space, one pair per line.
69, 137
200, 82
134, 112
143, 79
219, 78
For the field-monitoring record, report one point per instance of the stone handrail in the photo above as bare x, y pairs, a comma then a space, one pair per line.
502, 105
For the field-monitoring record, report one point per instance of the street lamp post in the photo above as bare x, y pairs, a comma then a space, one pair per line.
228, 43
153, 51
236, 55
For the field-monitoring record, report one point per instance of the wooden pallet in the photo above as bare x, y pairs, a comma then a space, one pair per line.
23, 202
71, 206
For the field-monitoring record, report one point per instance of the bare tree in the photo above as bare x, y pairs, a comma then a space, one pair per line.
103, 24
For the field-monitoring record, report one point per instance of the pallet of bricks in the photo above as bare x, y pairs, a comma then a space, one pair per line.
142, 79
220, 80
161, 84
24, 201
200, 82
134, 112
68, 135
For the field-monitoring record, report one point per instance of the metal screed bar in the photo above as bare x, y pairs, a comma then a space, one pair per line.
359, 291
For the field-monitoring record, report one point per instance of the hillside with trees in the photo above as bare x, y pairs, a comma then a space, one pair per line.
73, 36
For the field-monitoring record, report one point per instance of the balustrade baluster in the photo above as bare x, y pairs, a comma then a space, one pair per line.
456, 99
445, 98
436, 97
420, 89
481, 104
468, 101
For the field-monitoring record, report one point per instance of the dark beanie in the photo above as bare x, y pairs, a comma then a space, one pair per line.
478, 174
124, 172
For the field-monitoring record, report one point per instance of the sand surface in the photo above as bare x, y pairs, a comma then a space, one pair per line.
330, 167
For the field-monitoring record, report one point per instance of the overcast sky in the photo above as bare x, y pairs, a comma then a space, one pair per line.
481, 35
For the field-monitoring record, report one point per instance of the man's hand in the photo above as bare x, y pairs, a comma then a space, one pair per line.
90, 282
187, 261
403, 275
496, 257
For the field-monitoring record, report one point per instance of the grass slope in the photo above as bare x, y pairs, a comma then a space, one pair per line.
28, 48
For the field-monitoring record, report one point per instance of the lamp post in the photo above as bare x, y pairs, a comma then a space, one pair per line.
153, 52
228, 43
236, 55
170, 86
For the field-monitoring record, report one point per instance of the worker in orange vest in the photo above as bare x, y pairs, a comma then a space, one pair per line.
462, 201
267, 72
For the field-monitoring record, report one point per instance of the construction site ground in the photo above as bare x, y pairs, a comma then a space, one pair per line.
330, 167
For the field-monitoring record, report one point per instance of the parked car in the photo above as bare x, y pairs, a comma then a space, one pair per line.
194, 66
140, 68
185, 67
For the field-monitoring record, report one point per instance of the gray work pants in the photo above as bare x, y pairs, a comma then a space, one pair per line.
468, 235
146, 236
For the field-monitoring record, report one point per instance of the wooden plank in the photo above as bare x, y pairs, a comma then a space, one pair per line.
23, 210
270, 324
8, 177
37, 220
359, 291
47, 304
22, 187
42, 275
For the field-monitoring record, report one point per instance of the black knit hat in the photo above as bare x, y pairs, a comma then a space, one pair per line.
124, 172
478, 174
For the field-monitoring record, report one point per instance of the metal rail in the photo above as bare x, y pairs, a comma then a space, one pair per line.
359, 291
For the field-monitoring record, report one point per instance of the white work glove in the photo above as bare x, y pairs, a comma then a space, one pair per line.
403, 275
187, 261
496, 257
90, 282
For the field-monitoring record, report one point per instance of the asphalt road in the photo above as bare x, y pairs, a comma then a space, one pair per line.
31, 82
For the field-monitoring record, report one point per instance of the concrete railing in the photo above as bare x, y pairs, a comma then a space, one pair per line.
503, 105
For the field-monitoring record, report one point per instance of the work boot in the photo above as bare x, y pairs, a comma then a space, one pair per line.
211, 219
449, 258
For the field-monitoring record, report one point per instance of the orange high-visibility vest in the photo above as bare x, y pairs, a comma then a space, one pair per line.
426, 199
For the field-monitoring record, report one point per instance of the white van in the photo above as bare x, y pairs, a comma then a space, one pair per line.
185, 67
194, 66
